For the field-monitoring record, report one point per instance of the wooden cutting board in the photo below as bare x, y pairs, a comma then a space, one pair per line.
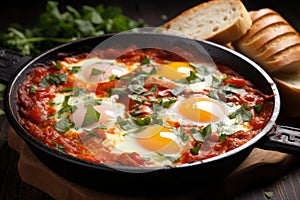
260, 166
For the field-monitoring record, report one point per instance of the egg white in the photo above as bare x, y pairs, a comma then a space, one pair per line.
108, 109
105, 68
218, 108
120, 142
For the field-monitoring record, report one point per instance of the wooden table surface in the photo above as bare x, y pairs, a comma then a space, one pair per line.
284, 186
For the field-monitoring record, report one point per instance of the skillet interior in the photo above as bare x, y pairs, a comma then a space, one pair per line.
101, 177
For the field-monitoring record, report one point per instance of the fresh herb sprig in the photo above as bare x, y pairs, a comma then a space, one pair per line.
56, 26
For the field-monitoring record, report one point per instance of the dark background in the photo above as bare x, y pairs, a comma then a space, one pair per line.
26, 12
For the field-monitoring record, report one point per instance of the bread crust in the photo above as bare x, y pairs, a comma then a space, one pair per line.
275, 45
289, 95
225, 34
270, 49
271, 41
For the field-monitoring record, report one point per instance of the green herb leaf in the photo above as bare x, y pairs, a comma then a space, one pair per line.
114, 77
58, 66
222, 137
55, 79
75, 69
137, 84
44, 83
200, 135
142, 121
96, 72
242, 114
258, 108
151, 91
64, 125
146, 61
200, 69
117, 91
232, 89
195, 150
224, 130
167, 102
59, 147
66, 89
126, 124
269, 195
33, 89
182, 134
66, 107
56, 26
193, 78
156, 120
91, 116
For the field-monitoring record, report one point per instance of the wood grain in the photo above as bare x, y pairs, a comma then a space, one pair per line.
261, 165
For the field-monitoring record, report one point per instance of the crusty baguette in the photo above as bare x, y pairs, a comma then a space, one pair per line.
216, 20
272, 42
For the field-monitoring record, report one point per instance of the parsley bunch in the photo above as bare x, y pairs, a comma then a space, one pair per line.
55, 27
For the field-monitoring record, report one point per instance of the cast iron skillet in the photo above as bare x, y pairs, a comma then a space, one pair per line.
101, 177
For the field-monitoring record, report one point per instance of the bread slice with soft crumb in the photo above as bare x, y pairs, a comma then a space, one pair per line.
289, 88
275, 45
271, 42
216, 20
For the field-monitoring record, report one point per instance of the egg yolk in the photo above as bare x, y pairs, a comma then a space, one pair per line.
174, 70
157, 139
203, 110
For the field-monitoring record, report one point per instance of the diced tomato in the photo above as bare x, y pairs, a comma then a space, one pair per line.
237, 82
257, 123
103, 87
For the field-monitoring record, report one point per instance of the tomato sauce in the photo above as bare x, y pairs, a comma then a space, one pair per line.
34, 103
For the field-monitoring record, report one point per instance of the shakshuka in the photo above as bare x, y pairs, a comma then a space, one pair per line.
146, 107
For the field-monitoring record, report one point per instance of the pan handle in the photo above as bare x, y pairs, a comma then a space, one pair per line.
281, 138
10, 62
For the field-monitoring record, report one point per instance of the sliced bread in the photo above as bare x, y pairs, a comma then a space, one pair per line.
216, 20
272, 42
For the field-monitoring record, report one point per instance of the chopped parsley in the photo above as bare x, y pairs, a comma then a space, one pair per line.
200, 135
75, 69
195, 150
96, 72
146, 61
91, 116
242, 114
59, 147
182, 135
258, 108
66, 107
136, 84
33, 89
269, 195
64, 125
126, 124
55, 79
55, 64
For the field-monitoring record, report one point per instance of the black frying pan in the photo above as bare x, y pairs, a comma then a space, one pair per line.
102, 177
